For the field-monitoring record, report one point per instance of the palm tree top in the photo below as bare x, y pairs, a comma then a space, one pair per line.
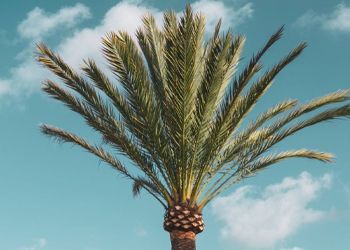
177, 105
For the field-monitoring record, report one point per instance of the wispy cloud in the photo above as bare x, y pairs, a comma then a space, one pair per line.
39, 22
25, 77
260, 219
4, 86
38, 244
337, 20
231, 15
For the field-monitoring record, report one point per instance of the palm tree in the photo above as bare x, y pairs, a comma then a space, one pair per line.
178, 110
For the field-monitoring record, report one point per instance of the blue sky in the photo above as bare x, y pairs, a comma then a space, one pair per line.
57, 197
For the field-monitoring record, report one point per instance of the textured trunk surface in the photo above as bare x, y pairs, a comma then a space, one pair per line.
181, 240
183, 218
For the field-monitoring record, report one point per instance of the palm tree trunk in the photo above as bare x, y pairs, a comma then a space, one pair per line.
181, 240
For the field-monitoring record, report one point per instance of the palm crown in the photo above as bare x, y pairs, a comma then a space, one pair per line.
178, 109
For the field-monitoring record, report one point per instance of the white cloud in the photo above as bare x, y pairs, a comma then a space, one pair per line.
4, 87
231, 16
85, 43
310, 18
338, 20
39, 22
260, 219
38, 244
25, 78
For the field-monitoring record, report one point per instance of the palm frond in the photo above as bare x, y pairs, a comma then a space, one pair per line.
144, 183
111, 131
178, 107
222, 131
250, 134
260, 164
64, 136
250, 159
221, 61
127, 64
183, 62
151, 41
249, 71
101, 81
238, 85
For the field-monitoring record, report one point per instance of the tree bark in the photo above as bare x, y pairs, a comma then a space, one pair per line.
181, 240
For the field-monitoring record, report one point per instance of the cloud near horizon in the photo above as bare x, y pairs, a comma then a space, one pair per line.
85, 42
38, 244
261, 218
338, 20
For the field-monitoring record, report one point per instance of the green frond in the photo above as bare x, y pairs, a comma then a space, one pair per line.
64, 136
236, 88
249, 71
221, 63
330, 114
140, 183
112, 132
244, 105
143, 182
71, 79
267, 139
127, 64
129, 117
251, 133
101, 81
151, 41
136, 188
184, 66
273, 133
332, 98
260, 87
302, 153
222, 58
250, 170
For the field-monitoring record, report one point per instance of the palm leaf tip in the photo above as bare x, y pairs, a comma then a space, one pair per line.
52, 132
136, 188
311, 154
268, 160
